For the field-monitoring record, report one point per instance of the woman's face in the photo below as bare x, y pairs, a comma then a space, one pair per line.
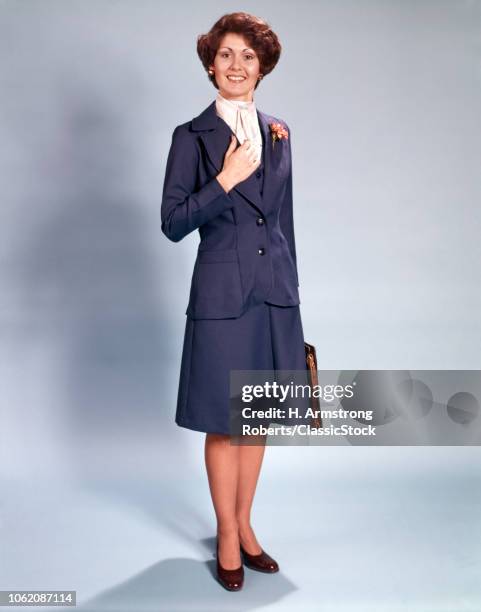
234, 58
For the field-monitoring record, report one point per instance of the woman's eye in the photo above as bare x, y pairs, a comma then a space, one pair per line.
224, 54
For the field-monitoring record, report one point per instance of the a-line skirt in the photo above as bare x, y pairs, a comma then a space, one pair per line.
265, 337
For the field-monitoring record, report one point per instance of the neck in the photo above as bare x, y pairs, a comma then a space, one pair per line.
246, 98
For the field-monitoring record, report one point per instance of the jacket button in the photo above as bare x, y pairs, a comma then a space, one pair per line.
260, 221
261, 250
258, 174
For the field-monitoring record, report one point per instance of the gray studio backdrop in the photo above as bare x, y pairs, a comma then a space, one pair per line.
383, 100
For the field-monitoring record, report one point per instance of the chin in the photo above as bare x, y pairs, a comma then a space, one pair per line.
233, 92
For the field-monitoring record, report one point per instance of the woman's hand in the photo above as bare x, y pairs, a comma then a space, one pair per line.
238, 164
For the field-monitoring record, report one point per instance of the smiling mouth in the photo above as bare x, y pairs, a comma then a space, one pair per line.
235, 79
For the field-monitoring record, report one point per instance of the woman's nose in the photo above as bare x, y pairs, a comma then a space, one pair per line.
235, 62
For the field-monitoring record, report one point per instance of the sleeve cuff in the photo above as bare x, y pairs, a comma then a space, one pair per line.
215, 190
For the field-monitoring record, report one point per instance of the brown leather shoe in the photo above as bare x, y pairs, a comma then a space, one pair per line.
232, 580
261, 562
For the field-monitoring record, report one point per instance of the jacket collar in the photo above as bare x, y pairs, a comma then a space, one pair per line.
216, 134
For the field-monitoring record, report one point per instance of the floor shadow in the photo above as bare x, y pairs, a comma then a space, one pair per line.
180, 584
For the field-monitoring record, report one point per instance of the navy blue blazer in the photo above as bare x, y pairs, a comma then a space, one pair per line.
247, 251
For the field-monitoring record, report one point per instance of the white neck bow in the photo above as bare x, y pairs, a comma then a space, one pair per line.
242, 119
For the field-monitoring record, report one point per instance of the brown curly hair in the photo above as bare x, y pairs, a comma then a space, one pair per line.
255, 30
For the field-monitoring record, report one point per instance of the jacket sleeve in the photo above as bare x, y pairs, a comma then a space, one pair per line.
287, 214
183, 210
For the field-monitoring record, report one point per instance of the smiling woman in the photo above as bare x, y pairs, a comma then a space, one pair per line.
229, 176
239, 44
236, 68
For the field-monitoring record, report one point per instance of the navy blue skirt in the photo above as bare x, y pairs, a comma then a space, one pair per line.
266, 337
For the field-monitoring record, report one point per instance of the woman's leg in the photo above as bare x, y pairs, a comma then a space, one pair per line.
250, 462
222, 463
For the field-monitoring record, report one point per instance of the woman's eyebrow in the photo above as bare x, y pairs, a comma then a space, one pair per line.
247, 49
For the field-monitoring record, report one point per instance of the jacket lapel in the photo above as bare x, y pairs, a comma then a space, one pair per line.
267, 147
216, 138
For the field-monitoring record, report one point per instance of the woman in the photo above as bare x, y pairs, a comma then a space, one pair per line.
229, 176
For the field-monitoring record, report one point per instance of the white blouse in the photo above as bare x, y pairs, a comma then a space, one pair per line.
242, 119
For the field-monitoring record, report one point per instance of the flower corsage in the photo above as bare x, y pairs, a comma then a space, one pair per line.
278, 132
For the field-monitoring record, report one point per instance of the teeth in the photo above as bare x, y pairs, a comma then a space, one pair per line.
231, 78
